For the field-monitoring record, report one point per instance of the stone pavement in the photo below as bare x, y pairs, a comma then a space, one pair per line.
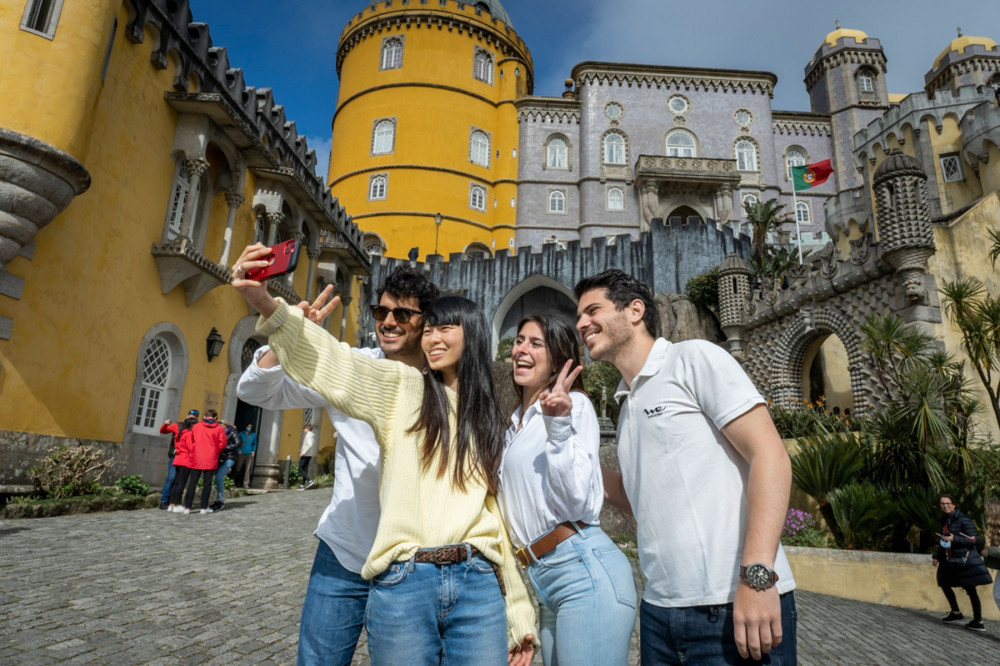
153, 587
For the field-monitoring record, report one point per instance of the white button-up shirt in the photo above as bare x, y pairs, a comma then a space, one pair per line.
349, 523
551, 470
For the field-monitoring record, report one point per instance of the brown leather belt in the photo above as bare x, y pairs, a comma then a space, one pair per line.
453, 555
548, 543
446, 554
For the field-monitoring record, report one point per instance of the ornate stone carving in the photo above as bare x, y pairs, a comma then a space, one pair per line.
861, 249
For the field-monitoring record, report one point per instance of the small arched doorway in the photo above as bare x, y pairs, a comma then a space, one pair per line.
826, 377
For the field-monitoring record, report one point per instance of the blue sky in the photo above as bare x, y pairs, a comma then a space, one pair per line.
291, 46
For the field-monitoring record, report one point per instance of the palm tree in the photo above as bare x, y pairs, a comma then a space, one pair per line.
764, 216
976, 313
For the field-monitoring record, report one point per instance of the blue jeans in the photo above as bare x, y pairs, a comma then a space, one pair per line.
704, 635
171, 473
333, 613
588, 600
424, 613
220, 480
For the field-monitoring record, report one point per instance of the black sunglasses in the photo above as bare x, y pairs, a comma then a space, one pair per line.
401, 315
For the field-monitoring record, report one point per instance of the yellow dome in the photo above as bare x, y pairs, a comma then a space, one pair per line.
840, 33
959, 44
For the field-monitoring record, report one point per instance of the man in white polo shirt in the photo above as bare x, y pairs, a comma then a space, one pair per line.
707, 478
334, 608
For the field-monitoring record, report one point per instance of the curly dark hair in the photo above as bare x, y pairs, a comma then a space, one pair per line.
621, 289
405, 282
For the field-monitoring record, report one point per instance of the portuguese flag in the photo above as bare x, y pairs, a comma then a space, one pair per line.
811, 175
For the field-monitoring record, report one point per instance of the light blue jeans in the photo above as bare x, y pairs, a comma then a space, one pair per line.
588, 600
333, 613
220, 480
420, 613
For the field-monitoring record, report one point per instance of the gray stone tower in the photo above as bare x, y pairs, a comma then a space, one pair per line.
734, 290
905, 232
846, 79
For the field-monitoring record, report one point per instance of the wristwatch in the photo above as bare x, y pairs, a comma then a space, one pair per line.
758, 576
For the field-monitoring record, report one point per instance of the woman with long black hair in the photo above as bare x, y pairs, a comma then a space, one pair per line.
442, 568
551, 492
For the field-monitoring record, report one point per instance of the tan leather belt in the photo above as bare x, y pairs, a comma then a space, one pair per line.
548, 543
445, 554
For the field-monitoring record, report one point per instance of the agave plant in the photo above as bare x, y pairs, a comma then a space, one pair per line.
823, 464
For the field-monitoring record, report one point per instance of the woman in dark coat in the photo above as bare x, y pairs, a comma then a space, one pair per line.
959, 564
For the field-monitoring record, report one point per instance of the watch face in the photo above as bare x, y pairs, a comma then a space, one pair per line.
759, 576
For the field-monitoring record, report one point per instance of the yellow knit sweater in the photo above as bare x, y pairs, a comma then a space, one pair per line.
419, 508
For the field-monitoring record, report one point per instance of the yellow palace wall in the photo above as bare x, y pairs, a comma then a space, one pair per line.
429, 169
92, 289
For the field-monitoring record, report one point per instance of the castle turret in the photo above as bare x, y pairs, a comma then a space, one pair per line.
734, 289
425, 134
967, 60
903, 220
846, 79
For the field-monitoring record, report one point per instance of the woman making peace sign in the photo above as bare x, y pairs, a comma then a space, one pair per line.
551, 494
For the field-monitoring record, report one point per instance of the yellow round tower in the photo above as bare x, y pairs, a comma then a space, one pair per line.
425, 134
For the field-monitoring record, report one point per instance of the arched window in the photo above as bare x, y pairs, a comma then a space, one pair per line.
680, 144
802, 215
556, 153
616, 198
746, 156
260, 226
392, 53
155, 373
383, 137
482, 69
479, 148
865, 83
377, 187
614, 148
374, 245
794, 156
749, 200
557, 202
178, 199
477, 198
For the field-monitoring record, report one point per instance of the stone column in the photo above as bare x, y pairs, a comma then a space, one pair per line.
273, 220
234, 200
196, 166
650, 199
313, 254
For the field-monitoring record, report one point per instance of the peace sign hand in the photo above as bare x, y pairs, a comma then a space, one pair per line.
316, 311
556, 401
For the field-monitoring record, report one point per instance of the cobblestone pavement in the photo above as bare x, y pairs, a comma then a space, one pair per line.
154, 587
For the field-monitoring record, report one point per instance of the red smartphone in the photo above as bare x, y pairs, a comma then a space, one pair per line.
283, 259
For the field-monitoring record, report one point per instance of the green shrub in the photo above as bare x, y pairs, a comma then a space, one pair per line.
703, 290
823, 464
504, 347
294, 477
865, 515
324, 481
600, 381
133, 485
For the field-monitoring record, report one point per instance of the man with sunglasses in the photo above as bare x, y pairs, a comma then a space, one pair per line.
333, 612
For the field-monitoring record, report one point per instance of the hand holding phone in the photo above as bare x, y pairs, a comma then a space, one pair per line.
281, 260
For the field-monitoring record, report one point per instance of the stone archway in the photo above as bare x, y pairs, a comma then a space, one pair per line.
797, 337
535, 293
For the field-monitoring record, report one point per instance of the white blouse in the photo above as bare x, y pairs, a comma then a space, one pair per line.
551, 470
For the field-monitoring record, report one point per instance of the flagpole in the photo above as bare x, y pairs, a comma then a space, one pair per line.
795, 214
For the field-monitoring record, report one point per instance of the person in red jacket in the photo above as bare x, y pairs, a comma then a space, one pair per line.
175, 429
198, 450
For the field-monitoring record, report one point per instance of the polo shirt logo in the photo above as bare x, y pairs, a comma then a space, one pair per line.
655, 411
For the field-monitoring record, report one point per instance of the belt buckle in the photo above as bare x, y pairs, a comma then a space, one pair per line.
522, 557
441, 555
